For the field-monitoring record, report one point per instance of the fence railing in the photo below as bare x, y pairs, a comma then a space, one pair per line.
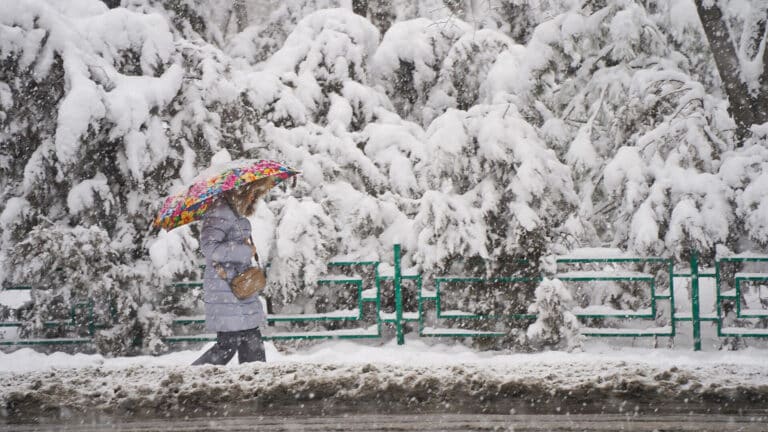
732, 298
739, 311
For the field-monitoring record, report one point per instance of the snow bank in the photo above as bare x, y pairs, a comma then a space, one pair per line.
338, 376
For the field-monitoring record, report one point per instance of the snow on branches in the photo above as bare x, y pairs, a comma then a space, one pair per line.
556, 327
467, 136
503, 180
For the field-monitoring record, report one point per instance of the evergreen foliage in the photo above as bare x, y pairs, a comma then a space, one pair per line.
555, 327
477, 135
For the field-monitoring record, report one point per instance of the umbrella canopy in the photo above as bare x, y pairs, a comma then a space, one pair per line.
191, 204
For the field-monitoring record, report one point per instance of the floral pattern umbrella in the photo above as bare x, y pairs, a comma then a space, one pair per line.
191, 204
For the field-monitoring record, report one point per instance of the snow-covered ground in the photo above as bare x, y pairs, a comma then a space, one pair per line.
414, 353
341, 376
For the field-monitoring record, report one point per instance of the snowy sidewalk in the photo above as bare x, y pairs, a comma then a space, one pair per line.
338, 377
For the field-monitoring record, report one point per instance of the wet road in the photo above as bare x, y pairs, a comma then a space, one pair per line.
423, 423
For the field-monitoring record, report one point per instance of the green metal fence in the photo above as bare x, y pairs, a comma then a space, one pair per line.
733, 299
72, 324
437, 297
648, 314
653, 277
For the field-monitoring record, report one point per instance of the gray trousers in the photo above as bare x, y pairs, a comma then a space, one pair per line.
248, 345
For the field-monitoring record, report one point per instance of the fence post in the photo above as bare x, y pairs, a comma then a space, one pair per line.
398, 298
695, 319
671, 267
91, 318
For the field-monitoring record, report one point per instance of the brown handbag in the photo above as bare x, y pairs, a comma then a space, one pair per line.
248, 283
251, 281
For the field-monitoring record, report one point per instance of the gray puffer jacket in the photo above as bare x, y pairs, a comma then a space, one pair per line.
223, 240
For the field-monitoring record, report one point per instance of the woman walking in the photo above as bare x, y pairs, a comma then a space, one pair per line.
226, 243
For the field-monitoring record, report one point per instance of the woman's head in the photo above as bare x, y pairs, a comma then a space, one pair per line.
243, 199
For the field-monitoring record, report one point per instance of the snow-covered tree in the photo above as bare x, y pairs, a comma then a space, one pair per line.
79, 272
379, 12
496, 199
476, 134
465, 69
77, 176
624, 109
743, 173
556, 327
743, 65
490, 175
270, 25
408, 62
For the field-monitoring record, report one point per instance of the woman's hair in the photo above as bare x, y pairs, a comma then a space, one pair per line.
243, 199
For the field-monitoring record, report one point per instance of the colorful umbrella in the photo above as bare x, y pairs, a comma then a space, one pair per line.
190, 205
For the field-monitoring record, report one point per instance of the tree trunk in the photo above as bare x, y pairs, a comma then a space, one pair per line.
382, 14
360, 7
728, 66
760, 107
241, 14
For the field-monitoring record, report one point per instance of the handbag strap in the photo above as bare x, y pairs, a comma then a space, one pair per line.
220, 268
249, 241
216, 265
